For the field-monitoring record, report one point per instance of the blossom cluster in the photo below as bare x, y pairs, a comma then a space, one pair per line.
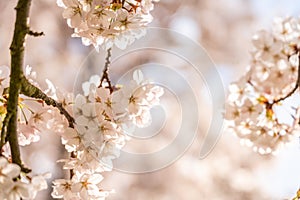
107, 22
14, 185
34, 116
258, 99
103, 120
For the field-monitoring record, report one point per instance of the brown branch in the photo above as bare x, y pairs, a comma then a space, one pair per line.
9, 129
35, 34
105, 75
31, 90
4, 130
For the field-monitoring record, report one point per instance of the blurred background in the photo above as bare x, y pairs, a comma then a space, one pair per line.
224, 29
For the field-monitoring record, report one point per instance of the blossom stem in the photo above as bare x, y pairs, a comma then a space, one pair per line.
31, 90
105, 75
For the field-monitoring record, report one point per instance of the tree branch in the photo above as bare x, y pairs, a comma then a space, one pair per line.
31, 90
105, 75
9, 129
269, 105
35, 34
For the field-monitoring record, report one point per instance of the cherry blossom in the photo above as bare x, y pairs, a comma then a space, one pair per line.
107, 23
62, 189
12, 187
253, 103
93, 125
34, 116
87, 187
101, 131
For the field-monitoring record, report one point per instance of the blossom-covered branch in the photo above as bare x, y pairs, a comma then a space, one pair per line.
253, 104
9, 129
297, 84
103, 119
31, 90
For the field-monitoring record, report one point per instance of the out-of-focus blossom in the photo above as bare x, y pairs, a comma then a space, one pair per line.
254, 100
13, 185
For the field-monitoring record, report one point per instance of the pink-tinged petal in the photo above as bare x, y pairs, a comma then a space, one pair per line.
80, 100
24, 190
70, 3
39, 183
12, 170
68, 13
4, 71
70, 133
81, 120
76, 187
13, 196
60, 3
3, 162
95, 178
76, 20
6, 184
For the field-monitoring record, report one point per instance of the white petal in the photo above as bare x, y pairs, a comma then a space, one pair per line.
138, 76
12, 170
3, 162
95, 178
24, 190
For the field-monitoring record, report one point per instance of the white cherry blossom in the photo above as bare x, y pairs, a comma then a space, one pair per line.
62, 188
107, 23
253, 101
100, 132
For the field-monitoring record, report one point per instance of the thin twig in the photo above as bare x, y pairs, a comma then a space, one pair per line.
105, 75
35, 34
